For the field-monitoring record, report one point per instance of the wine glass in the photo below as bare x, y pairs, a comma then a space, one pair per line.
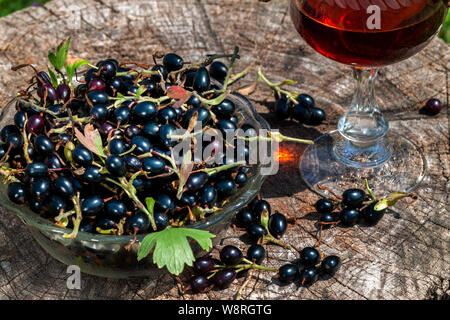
365, 35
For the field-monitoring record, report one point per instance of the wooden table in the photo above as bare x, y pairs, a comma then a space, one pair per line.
406, 256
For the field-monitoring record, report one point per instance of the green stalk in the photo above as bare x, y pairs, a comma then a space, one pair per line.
76, 224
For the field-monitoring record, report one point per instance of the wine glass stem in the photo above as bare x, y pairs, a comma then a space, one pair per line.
363, 127
364, 123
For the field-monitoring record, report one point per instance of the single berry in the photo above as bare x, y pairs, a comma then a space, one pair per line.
172, 62
372, 216
309, 256
256, 253
308, 276
244, 218
223, 278
288, 273
349, 217
277, 225
306, 100
36, 169
16, 192
116, 165
256, 231
231, 255
199, 283
202, 80
330, 265
91, 206
317, 116
218, 70
203, 265
324, 205
353, 198
196, 181
259, 207
433, 106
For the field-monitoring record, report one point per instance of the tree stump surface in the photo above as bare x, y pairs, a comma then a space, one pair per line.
406, 256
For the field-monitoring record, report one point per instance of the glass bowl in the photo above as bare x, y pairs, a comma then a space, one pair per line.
105, 255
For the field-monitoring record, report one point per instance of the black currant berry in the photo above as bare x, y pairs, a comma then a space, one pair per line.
196, 181
223, 278
115, 209
372, 216
36, 169
202, 80
218, 70
353, 198
138, 223
309, 256
256, 253
116, 165
199, 283
277, 225
208, 195
203, 265
231, 255
244, 218
349, 217
172, 62
91, 206
256, 231
324, 205
16, 192
308, 276
64, 187
288, 273
330, 265
82, 156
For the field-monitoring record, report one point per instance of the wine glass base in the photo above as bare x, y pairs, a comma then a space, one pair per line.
323, 169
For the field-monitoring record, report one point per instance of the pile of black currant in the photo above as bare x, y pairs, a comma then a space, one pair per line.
309, 268
259, 222
302, 109
214, 273
355, 206
88, 156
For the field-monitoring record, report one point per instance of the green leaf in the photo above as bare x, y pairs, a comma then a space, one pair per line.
53, 77
172, 249
381, 205
394, 195
61, 54
58, 59
52, 58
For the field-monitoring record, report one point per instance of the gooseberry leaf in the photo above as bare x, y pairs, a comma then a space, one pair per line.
53, 77
381, 205
172, 249
58, 58
72, 64
185, 171
91, 139
180, 94
391, 202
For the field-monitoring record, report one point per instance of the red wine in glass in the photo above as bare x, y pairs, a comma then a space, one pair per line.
347, 31
365, 34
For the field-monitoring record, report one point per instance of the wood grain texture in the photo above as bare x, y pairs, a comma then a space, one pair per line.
406, 256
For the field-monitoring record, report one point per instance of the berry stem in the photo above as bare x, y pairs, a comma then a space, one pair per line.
77, 220
276, 87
